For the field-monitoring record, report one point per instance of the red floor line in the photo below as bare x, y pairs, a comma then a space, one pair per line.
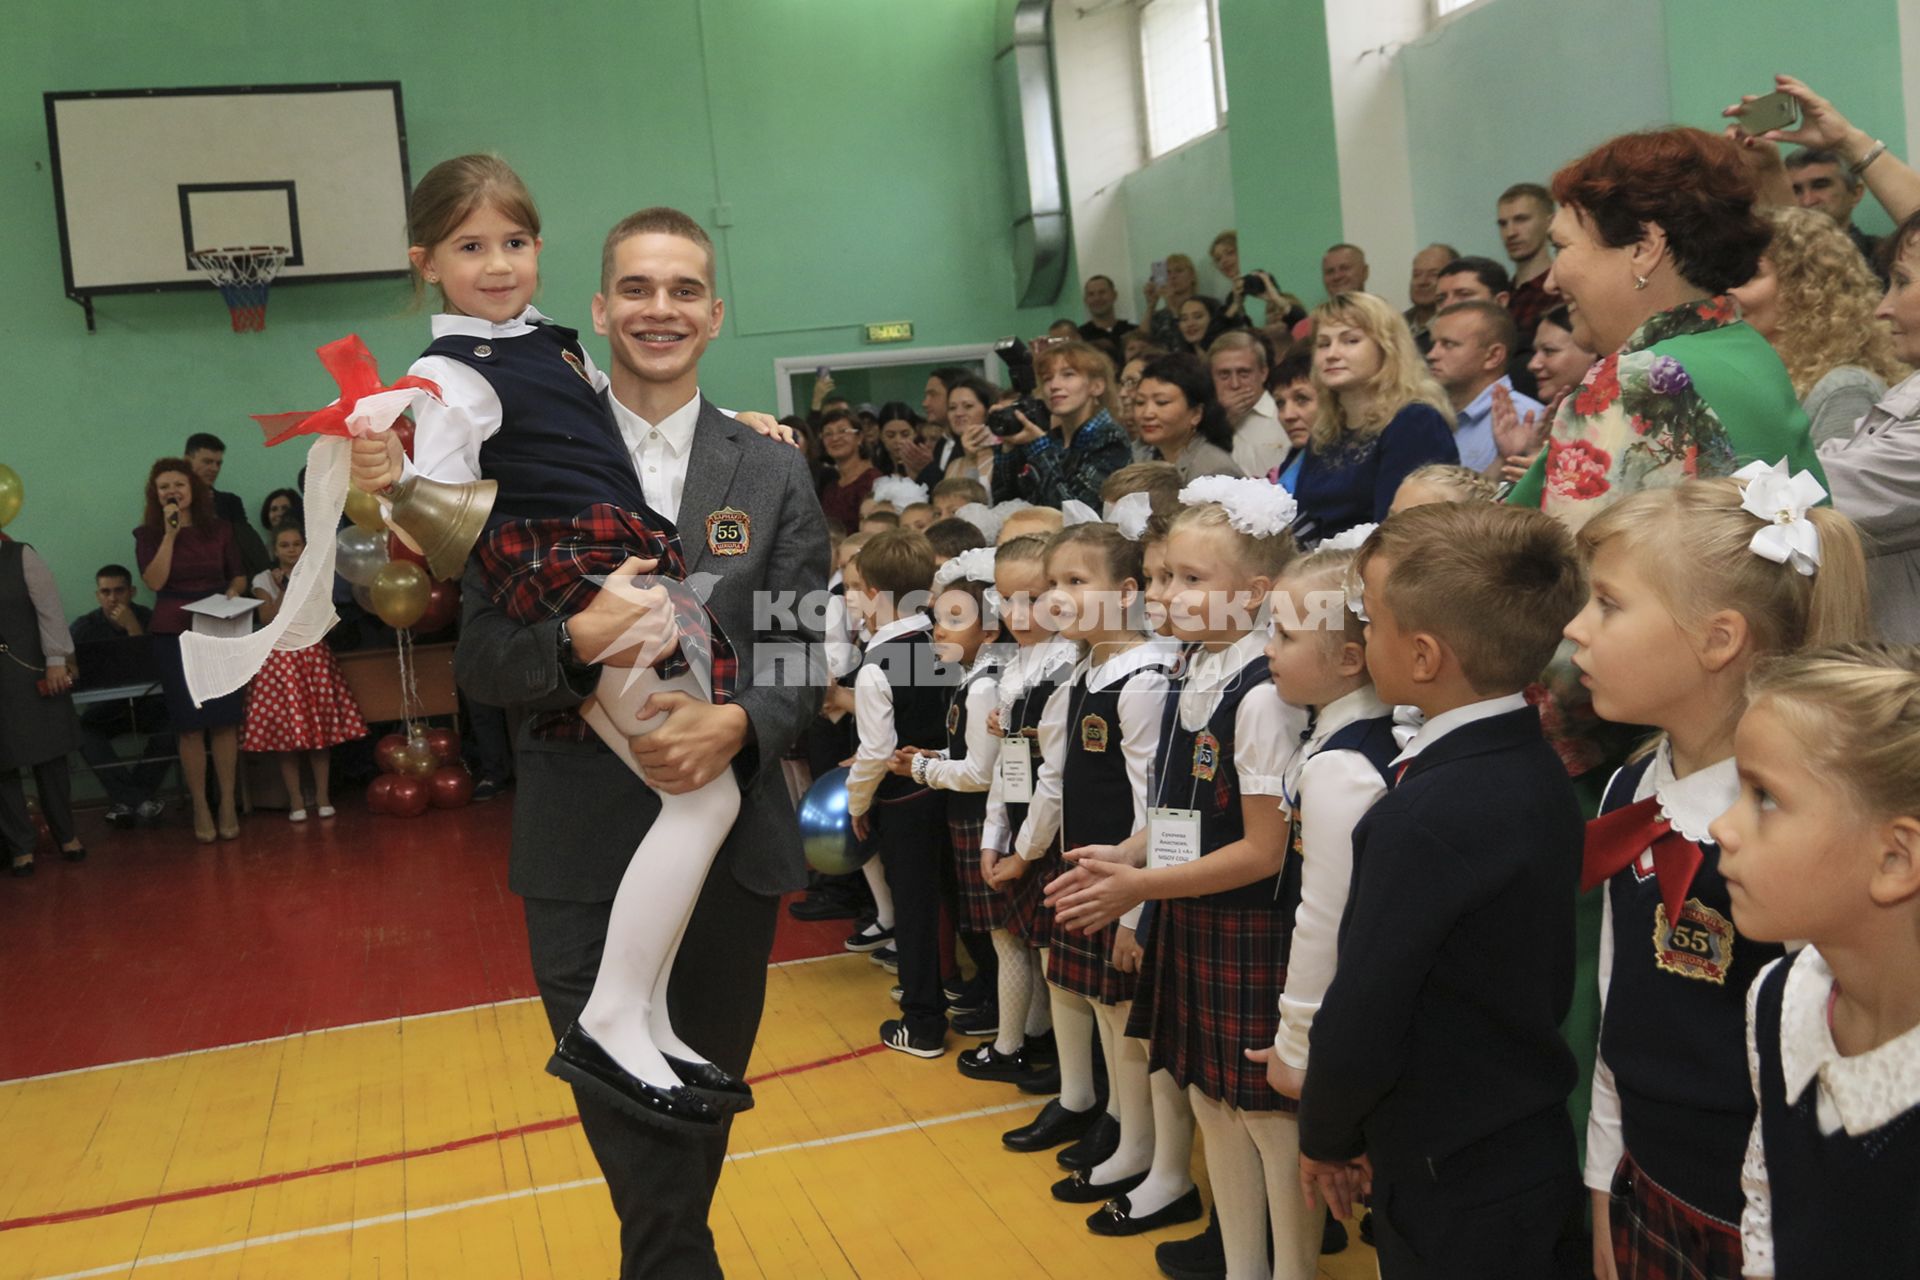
366, 1162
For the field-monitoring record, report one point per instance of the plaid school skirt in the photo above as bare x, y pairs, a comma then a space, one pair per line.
1029, 918
979, 908
1209, 987
1659, 1237
1082, 963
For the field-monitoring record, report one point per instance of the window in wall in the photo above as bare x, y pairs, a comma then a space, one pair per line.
1186, 93
1445, 8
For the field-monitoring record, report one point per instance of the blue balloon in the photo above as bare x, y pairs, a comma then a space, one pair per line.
826, 831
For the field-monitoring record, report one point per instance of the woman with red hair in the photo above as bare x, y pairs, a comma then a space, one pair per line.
1652, 230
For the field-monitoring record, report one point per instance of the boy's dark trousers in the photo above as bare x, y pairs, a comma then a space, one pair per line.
1472, 1218
912, 834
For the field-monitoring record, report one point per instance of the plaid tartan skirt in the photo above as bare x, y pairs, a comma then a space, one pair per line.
979, 909
1209, 987
1659, 1237
1082, 963
1029, 918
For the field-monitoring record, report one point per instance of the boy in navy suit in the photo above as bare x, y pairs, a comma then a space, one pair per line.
1439, 1076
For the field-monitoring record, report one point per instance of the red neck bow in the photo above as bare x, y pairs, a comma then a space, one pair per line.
1615, 840
357, 376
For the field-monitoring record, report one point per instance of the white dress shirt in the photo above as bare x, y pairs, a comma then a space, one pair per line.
1859, 1094
660, 451
976, 772
1330, 791
1259, 441
1029, 665
1447, 721
873, 718
1690, 804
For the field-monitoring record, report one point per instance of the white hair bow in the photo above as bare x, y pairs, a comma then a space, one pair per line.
1257, 508
981, 517
1782, 501
974, 565
1073, 511
1131, 515
901, 491
1348, 539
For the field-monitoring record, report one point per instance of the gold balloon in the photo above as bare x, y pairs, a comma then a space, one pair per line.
364, 510
401, 592
417, 758
12, 494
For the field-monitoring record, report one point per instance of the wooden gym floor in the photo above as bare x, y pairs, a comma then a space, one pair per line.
315, 1052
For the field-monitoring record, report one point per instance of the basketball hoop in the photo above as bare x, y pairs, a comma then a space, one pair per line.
242, 274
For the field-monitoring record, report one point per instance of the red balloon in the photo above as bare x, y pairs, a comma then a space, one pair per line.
450, 787
408, 798
380, 794
403, 427
445, 744
386, 753
443, 609
398, 550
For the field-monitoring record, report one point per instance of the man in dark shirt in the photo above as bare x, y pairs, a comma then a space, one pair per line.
206, 452
130, 788
1100, 297
1523, 212
1822, 181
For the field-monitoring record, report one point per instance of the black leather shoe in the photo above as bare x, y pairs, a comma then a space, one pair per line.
580, 1061
1201, 1257
1333, 1236
1043, 1081
1101, 1141
1042, 1050
1115, 1218
1077, 1188
727, 1092
74, 855
824, 906
1052, 1127
984, 1062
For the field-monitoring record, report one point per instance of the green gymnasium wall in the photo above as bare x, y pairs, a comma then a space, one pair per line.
853, 158
1509, 91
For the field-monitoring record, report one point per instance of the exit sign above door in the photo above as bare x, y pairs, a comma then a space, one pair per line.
891, 331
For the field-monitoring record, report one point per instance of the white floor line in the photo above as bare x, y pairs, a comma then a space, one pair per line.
837, 955
433, 1211
248, 1044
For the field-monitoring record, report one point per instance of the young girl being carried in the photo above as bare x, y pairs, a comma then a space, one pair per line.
1824, 845
1215, 855
520, 403
299, 703
1098, 737
1669, 640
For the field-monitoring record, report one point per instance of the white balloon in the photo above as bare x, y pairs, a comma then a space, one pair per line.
361, 555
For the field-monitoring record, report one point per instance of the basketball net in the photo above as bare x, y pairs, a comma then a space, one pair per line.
243, 274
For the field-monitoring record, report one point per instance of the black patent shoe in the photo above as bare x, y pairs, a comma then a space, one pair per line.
1116, 1218
1201, 1257
727, 1092
1079, 1188
1054, 1126
580, 1061
984, 1062
1093, 1150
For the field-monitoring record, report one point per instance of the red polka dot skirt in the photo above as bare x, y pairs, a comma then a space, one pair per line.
300, 702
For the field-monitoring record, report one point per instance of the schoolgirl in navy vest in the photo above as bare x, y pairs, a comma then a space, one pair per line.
1824, 845
520, 403
1669, 641
965, 630
1318, 660
1098, 737
1023, 1051
1216, 851
900, 700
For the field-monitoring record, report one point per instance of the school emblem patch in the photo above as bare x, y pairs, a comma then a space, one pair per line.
1093, 733
1699, 946
578, 365
1206, 756
953, 717
729, 532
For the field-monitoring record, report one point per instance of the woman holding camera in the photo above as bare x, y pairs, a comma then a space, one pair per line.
186, 553
1085, 445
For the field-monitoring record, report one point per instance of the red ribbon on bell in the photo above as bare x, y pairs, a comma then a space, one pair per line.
358, 377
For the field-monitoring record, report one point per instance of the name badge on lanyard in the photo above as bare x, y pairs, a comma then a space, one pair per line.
1016, 769
1173, 836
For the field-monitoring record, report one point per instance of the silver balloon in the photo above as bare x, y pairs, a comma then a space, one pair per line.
826, 832
361, 555
363, 596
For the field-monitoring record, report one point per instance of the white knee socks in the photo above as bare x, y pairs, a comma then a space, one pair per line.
1171, 1174
1016, 990
1126, 1083
1073, 1032
627, 1012
1239, 1186
1296, 1230
882, 896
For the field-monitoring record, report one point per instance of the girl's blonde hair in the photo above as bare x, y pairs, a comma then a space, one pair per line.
1698, 536
1854, 709
453, 189
1403, 378
1267, 555
1464, 483
1326, 571
1091, 363
1826, 304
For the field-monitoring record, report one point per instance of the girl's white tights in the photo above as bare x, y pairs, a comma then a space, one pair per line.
882, 896
627, 1012
1127, 1089
1171, 1174
1253, 1162
1073, 1033
1017, 964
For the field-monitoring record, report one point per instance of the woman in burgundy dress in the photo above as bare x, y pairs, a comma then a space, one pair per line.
187, 553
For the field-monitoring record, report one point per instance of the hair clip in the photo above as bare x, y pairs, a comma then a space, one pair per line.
1257, 508
1781, 500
